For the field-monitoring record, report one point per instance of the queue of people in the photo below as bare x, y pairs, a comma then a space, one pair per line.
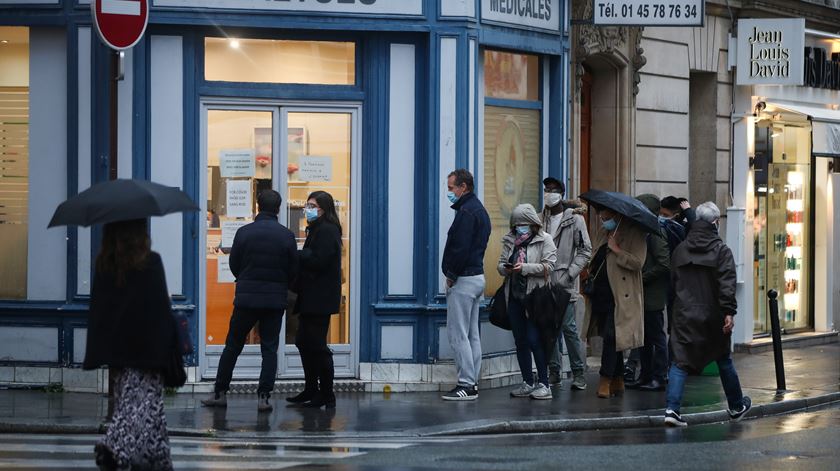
648, 256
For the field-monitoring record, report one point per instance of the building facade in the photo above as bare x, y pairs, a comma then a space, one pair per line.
687, 128
374, 101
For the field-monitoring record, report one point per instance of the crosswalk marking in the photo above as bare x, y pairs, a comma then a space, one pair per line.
25, 451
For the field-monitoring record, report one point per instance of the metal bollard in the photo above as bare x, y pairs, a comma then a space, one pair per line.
776, 331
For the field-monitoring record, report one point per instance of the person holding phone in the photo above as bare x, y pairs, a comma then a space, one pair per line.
526, 262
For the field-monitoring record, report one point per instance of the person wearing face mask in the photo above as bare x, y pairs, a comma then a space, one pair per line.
463, 267
526, 261
318, 290
615, 311
563, 221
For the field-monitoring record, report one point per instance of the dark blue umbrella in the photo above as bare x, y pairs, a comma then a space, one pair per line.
627, 206
121, 200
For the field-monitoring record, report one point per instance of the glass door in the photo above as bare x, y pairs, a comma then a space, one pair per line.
238, 165
320, 156
316, 149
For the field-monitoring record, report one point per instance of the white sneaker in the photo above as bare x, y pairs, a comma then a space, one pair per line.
523, 390
541, 391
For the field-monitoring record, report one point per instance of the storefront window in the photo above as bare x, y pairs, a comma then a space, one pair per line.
512, 137
280, 61
14, 160
782, 223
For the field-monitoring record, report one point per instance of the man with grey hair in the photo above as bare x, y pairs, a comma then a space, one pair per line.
703, 272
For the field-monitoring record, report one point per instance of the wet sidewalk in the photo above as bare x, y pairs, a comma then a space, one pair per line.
813, 378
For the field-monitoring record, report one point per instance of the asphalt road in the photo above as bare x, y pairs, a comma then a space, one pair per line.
803, 441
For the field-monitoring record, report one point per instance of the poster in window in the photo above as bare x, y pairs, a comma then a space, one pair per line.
236, 163
239, 198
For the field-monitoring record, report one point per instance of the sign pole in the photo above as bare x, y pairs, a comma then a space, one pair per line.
113, 109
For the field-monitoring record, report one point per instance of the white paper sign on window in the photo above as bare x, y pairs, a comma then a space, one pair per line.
229, 229
239, 198
224, 273
236, 163
315, 169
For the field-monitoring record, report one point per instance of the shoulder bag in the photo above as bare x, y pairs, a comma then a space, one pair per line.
498, 309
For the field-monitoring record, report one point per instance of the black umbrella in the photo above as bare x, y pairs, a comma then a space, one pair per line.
625, 205
121, 200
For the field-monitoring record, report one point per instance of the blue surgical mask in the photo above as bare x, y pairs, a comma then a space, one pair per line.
523, 230
451, 197
609, 224
311, 214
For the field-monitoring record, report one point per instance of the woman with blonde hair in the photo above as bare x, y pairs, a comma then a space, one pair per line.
526, 262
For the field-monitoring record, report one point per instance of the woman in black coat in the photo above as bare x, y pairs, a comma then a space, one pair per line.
131, 330
318, 297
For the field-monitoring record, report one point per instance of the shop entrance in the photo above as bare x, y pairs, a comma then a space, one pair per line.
294, 150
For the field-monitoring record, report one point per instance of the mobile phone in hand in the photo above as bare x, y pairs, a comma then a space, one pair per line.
508, 265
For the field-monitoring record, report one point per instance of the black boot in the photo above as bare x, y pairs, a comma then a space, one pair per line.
322, 399
310, 374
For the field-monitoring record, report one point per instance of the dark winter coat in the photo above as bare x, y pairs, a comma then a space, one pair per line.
703, 271
264, 260
656, 272
131, 326
319, 282
467, 239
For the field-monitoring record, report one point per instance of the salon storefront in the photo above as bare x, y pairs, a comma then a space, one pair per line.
374, 101
786, 143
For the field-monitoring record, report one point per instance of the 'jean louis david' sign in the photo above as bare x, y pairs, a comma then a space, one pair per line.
771, 52
542, 14
362, 7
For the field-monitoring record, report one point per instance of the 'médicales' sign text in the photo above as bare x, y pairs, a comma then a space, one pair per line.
770, 52
542, 14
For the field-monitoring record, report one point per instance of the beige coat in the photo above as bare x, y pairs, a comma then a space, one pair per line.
625, 275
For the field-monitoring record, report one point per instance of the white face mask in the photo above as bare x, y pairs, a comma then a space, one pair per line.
552, 199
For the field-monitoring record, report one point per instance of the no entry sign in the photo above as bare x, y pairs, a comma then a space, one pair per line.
120, 23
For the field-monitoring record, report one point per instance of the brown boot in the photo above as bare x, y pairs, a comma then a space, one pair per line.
617, 386
604, 387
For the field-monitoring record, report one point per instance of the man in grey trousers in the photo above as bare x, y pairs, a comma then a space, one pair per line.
463, 266
564, 221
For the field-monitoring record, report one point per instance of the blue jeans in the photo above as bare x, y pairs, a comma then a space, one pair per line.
569, 333
728, 377
527, 339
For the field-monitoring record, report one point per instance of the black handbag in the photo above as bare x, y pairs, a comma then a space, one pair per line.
498, 309
174, 374
588, 287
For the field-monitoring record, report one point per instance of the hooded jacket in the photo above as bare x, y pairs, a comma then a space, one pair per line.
573, 246
703, 272
539, 255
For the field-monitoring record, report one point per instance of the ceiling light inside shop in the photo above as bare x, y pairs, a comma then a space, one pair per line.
234, 43
4, 41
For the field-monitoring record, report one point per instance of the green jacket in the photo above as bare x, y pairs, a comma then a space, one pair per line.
656, 272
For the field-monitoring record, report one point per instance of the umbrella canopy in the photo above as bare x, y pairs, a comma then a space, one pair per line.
121, 200
625, 205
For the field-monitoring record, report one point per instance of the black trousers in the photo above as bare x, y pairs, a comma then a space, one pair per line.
241, 322
315, 355
654, 355
612, 361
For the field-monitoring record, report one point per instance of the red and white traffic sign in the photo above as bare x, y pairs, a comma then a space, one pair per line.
120, 23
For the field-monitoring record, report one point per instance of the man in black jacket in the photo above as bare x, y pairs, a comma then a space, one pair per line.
264, 260
463, 266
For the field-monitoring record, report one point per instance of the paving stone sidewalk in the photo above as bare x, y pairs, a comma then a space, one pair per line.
813, 379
